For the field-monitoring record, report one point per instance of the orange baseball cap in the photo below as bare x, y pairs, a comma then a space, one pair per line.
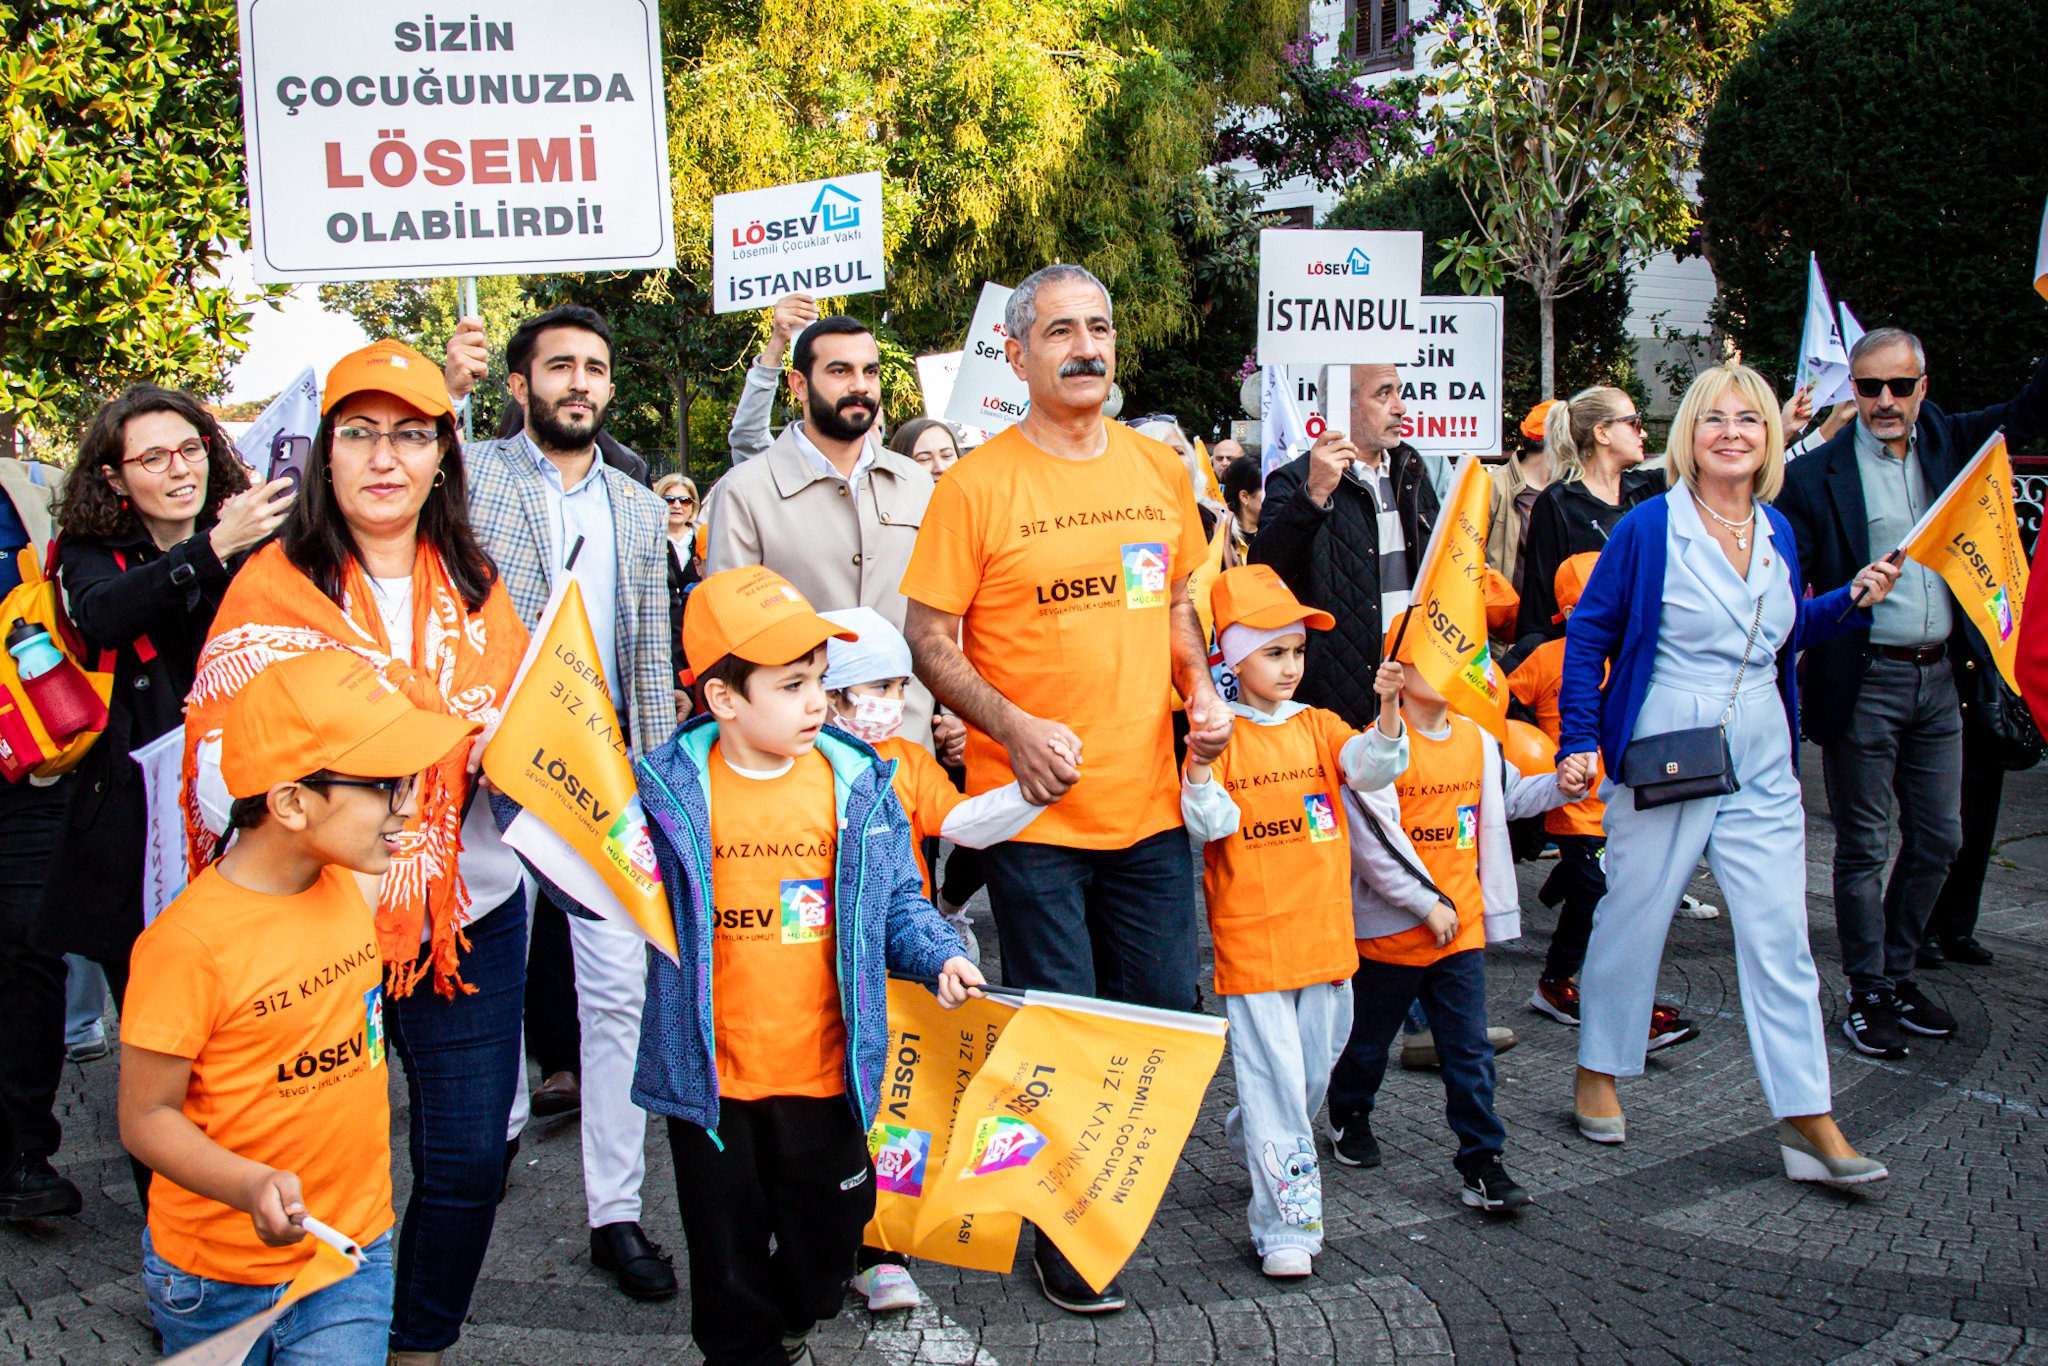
1253, 595
1502, 603
1532, 425
388, 367
1407, 655
1571, 579
329, 711
755, 613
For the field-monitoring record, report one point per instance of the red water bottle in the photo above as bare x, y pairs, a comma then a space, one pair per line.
58, 689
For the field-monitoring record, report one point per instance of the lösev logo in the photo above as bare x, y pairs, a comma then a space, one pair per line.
806, 910
1144, 566
900, 1154
1357, 263
1322, 817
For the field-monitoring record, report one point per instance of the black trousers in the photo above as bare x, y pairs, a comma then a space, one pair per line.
554, 1039
31, 982
1575, 887
793, 1169
1955, 910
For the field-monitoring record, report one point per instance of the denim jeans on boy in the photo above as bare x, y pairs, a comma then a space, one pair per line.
347, 1324
1453, 993
85, 1001
462, 1064
1114, 923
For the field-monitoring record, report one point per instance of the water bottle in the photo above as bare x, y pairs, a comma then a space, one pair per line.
58, 690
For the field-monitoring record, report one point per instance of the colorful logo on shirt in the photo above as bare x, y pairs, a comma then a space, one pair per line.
1322, 817
900, 1155
1468, 827
1000, 1143
1145, 574
1478, 673
1999, 608
373, 1024
806, 910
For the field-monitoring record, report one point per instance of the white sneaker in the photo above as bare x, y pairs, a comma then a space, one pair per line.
887, 1286
1692, 908
962, 926
1286, 1263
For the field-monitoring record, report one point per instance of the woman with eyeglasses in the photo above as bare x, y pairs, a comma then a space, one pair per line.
1595, 440
378, 558
1680, 665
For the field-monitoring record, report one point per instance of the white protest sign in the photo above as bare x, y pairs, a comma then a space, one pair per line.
935, 377
521, 136
823, 237
986, 391
1338, 298
294, 412
1450, 380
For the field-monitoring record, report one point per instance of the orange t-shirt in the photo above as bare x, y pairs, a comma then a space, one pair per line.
1279, 889
1062, 573
774, 966
279, 1003
1439, 795
1536, 683
927, 794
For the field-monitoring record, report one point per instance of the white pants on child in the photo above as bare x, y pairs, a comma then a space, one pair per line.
611, 984
1283, 1044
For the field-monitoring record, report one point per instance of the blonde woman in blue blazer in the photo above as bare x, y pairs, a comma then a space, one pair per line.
1687, 581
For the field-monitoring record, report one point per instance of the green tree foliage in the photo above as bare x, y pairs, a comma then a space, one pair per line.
1906, 148
423, 313
1593, 345
120, 183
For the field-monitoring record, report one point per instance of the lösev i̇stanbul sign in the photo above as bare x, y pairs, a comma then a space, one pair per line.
390, 141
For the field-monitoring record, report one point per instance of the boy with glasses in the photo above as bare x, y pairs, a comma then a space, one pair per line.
252, 1066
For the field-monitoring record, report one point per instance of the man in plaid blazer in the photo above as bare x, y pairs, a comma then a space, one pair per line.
532, 497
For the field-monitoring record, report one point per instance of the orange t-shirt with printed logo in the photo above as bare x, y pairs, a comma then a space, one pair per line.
1279, 888
279, 1003
1062, 573
1536, 683
927, 794
1439, 796
774, 947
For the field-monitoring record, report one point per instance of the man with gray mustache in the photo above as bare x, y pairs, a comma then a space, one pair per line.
1049, 607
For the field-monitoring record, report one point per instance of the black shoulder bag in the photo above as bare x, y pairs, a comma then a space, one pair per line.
1680, 765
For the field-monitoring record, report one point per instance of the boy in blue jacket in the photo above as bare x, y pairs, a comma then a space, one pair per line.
789, 871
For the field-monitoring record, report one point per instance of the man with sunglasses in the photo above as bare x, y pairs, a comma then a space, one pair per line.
1884, 708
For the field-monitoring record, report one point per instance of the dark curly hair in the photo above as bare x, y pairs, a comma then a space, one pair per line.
316, 536
91, 507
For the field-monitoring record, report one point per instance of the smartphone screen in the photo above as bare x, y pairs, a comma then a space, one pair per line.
288, 457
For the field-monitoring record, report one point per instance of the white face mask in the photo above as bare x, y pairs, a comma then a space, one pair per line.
874, 719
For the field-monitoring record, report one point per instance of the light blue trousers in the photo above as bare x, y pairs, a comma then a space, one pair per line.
1755, 843
1283, 1045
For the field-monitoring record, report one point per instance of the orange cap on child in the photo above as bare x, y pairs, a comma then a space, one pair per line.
329, 712
1253, 595
1572, 577
755, 613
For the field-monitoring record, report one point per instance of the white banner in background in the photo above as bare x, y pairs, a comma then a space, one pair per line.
294, 412
986, 391
822, 238
1450, 383
935, 377
517, 136
1329, 297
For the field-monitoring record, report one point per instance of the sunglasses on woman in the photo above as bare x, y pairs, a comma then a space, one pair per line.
679, 500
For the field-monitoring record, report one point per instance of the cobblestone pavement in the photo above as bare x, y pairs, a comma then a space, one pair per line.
1686, 1245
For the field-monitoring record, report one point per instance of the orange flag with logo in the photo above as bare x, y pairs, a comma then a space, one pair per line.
933, 1056
561, 753
1446, 631
1208, 471
1971, 537
1075, 1122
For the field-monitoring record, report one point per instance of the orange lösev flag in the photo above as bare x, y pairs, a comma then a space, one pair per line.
1971, 538
1446, 634
1076, 1122
933, 1055
561, 753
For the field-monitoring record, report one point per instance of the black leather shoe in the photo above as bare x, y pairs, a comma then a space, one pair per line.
1967, 950
640, 1267
1063, 1285
1931, 956
32, 1189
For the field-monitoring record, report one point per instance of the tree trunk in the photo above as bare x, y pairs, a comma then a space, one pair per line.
679, 385
1547, 309
6, 433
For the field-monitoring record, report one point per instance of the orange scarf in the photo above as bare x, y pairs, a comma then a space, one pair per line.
462, 664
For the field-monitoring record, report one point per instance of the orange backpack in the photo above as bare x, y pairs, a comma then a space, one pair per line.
26, 748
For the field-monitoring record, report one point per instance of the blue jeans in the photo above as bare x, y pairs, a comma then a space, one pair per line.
1114, 923
85, 1001
347, 1324
1453, 992
462, 1062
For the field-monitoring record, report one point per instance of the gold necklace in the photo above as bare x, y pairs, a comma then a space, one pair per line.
1738, 529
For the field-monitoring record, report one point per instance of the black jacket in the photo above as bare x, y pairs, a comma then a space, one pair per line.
92, 900
1568, 519
1330, 558
1823, 500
